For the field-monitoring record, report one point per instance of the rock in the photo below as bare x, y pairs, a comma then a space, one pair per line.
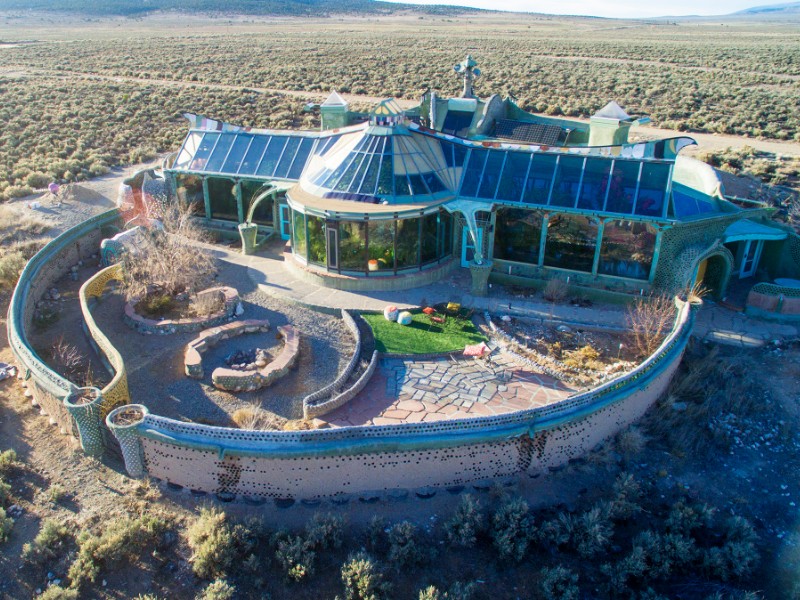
564, 329
54, 295
679, 406
239, 309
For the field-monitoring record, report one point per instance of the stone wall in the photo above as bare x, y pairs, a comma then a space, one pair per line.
380, 459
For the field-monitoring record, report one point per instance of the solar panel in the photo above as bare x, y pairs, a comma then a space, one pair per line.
532, 133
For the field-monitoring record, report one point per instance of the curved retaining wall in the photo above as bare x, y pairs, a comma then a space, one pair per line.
47, 388
379, 459
773, 302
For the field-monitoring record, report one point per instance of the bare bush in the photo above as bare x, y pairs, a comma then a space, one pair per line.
255, 417
650, 319
556, 290
170, 259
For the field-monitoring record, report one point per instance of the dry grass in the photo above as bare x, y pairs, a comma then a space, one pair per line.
21, 236
256, 418
556, 290
650, 319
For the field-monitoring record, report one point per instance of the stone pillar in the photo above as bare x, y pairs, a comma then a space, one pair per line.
249, 234
124, 423
84, 406
480, 277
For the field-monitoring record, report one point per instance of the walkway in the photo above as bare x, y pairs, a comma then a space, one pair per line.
411, 390
714, 323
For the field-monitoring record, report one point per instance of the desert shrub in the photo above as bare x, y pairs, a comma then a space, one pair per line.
556, 290
558, 583
586, 533
324, 532
631, 442
5, 492
48, 541
6, 525
56, 592
404, 545
649, 320
255, 417
56, 493
8, 460
11, 264
211, 540
687, 518
157, 304
457, 591
67, 360
377, 540
296, 557
363, 579
737, 556
625, 502
583, 358
464, 526
653, 557
120, 541
512, 529
219, 589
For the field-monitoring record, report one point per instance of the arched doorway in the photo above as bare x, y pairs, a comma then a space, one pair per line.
713, 273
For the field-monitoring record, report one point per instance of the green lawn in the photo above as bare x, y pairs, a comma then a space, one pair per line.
420, 337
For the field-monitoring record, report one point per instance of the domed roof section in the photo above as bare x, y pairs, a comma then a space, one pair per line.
381, 161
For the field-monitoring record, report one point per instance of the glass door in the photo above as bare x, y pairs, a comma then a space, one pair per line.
467, 247
286, 221
332, 228
750, 257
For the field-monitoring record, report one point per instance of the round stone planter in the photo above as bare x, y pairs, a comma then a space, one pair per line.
84, 404
124, 422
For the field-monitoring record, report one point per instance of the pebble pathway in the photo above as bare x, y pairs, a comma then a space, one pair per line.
411, 391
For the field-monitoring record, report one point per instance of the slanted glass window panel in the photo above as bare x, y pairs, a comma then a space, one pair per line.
287, 156
472, 174
188, 151
363, 165
622, 188
407, 243
491, 174
459, 155
203, 152
517, 235
433, 182
428, 245
381, 245
300, 158
325, 144
349, 165
385, 177
571, 242
627, 249
445, 232
401, 187
353, 245
236, 154
189, 189
652, 190
316, 240
687, 205
222, 195
447, 150
217, 157
418, 186
540, 178
253, 156
568, 177
299, 245
271, 156
263, 213
371, 176
595, 184
512, 181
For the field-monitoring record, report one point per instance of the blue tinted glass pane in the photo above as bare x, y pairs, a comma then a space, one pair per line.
201, 156
447, 150
472, 175
401, 186
271, 156
433, 182
359, 175
537, 186
292, 144
190, 147
326, 144
334, 177
491, 174
568, 177
386, 176
652, 190
371, 176
622, 188
300, 158
512, 181
418, 186
346, 175
685, 205
595, 183
253, 156
235, 156
459, 155
220, 152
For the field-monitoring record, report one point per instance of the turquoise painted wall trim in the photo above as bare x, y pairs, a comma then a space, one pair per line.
47, 379
359, 440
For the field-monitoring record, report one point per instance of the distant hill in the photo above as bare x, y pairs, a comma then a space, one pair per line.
248, 7
789, 8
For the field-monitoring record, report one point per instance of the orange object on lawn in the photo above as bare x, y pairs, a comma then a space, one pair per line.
428, 310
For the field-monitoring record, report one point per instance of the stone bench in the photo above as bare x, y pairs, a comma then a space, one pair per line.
208, 338
248, 380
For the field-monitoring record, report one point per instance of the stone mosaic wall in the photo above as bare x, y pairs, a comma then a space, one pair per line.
380, 459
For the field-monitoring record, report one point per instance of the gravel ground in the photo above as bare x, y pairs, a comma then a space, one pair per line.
155, 362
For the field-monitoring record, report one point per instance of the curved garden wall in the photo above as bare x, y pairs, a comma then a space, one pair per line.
47, 388
378, 459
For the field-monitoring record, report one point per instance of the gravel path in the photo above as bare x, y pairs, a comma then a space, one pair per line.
155, 363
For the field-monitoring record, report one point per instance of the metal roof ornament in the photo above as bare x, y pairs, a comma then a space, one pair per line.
468, 69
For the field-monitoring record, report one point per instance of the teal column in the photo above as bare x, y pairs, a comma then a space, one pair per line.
598, 245
124, 423
543, 239
84, 405
206, 198
239, 201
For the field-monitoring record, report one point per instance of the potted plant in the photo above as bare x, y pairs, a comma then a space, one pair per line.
248, 230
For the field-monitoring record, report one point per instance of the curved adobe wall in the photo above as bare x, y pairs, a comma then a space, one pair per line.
47, 387
330, 462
